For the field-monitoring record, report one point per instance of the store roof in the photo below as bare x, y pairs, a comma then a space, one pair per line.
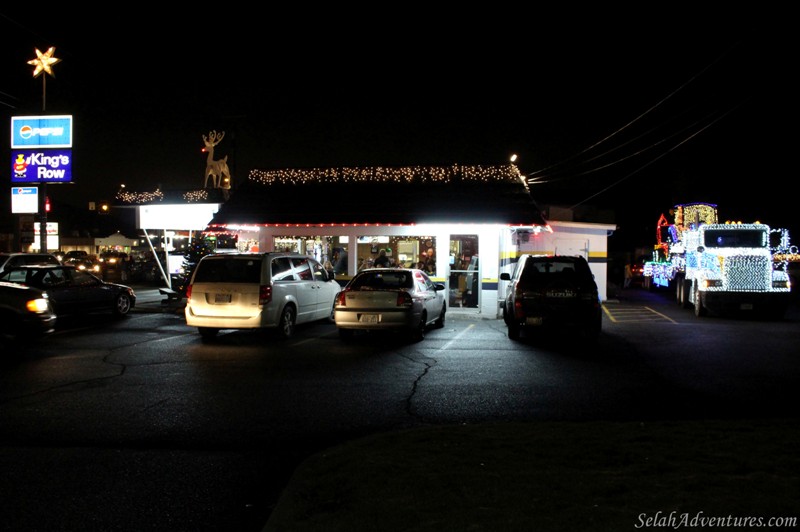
382, 196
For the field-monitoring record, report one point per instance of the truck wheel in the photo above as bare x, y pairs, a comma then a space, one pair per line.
686, 291
699, 309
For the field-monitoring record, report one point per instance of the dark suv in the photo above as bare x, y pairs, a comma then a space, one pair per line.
550, 292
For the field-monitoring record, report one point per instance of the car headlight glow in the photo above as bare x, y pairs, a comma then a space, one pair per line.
37, 305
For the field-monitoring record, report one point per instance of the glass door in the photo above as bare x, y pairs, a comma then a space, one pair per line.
464, 279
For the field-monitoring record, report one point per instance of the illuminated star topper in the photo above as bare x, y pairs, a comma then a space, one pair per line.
44, 61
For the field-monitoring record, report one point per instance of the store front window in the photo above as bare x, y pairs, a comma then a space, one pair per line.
408, 251
320, 248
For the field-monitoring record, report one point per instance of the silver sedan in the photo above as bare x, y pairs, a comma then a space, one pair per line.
402, 299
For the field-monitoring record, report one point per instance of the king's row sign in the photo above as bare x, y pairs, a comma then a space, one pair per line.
41, 166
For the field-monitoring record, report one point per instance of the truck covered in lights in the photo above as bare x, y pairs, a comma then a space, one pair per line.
719, 266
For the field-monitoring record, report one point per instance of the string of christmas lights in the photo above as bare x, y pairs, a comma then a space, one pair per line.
381, 174
136, 198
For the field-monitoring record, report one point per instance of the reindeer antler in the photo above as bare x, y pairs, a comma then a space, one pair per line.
215, 139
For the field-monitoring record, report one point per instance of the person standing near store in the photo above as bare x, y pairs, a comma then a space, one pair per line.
382, 261
328, 267
628, 276
340, 265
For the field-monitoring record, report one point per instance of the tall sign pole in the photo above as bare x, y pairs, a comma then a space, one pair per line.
43, 65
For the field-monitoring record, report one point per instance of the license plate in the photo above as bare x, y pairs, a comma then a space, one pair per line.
560, 293
746, 306
533, 321
369, 318
222, 298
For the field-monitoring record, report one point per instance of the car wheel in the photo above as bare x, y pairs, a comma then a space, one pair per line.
332, 317
346, 334
440, 320
207, 333
122, 305
592, 332
9, 328
418, 333
513, 331
286, 325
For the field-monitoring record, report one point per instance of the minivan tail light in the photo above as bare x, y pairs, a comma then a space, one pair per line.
188, 293
264, 294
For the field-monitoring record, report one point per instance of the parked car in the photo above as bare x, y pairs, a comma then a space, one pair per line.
403, 299
87, 262
552, 292
114, 265
74, 254
275, 290
73, 291
25, 313
637, 274
11, 260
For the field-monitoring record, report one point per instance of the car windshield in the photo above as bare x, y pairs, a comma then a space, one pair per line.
382, 280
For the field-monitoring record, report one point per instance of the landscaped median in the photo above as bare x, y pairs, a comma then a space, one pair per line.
549, 476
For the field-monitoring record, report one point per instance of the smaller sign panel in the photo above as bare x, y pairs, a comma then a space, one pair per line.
41, 166
24, 200
195, 217
52, 237
41, 131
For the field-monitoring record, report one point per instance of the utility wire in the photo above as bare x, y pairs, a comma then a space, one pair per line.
535, 177
617, 182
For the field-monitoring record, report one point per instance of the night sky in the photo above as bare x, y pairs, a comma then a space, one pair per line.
630, 111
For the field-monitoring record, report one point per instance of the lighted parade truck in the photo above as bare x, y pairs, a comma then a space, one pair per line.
719, 267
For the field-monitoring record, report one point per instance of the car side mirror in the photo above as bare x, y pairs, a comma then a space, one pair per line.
505, 276
439, 286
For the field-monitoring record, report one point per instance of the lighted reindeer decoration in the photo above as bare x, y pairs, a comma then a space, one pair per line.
216, 170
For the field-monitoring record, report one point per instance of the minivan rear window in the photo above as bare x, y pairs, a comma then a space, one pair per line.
229, 270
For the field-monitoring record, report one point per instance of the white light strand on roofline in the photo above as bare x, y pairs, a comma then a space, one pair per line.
379, 174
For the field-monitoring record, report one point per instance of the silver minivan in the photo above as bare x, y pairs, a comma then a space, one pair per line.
258, 291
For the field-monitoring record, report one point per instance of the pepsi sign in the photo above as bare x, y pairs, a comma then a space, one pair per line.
41, 131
